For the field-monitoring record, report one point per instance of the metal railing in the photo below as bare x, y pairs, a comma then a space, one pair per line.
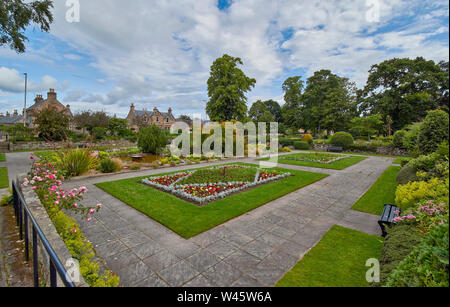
23, 216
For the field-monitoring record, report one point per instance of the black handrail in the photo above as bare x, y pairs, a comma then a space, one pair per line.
23, 213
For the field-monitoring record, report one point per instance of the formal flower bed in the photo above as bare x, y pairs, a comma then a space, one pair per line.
207, 185
314, 157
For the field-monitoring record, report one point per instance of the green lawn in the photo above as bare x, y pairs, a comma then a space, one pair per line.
2, 157
4, 179
382, 192
338, 165
338, 260
189, 220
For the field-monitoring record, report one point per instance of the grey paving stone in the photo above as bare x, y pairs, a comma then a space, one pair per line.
203, 260
136, 239
134, 273
280, 259
120, 260
178, 274
161, 260
184, 250
258, 249
293, 249
204, 239
242, 260
266, 274
199, 281
222, 274
282, 232
271, 239
247, 281
111, 248
124, 232
152, 282
238, 239
222, 249
147, 249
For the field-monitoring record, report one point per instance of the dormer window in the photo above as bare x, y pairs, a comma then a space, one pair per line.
167, 120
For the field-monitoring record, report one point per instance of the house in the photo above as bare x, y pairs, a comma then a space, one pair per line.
40, 104
137, 119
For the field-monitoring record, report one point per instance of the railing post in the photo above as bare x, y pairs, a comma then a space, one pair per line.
35, 259
52, 274
27, 252
16, 203
21, 208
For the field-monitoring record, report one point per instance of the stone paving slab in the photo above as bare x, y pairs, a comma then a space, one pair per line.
254, 249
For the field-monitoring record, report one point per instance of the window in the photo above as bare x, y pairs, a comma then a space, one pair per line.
157, 119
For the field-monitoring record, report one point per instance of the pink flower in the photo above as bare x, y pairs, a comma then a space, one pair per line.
99, 206
89, 219
75, 205
74, 230
92, 211
56, 202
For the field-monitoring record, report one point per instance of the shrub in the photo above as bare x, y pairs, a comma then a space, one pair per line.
427, 265
75, 162
99, 133
342, 139
301, 145
307, 138
286, 149
399, 139
362, 147
135, 167
423, 163
407, 174
433, 131
108, 166
152, 139
412, 192
398, 244
6, 199
286, 141
411, 137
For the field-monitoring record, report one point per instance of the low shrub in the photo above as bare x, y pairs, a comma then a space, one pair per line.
407, 174
427, 265
286, 149
399, 139
6, 199
362, 148
409, 194
433, 131
75, 162
307, 138
135, 167
108, 166
411, 138
398, 244
301, 145
286, 142
152, 139
342, 139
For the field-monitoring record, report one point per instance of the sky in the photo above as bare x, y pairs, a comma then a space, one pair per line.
157, 53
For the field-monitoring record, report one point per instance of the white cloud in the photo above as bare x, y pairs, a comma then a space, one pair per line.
159, 53
12, 81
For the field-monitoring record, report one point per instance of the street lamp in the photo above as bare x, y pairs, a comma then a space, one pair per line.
25, 102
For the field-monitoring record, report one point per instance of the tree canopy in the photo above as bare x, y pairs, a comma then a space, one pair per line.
291, 110
259, 112
227, 86
405, 89
51, 124
17, 15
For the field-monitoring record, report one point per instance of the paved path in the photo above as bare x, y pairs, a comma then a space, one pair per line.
255, 249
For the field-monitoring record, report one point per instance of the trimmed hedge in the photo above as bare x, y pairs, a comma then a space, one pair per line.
301, 145
342, 139
433, 131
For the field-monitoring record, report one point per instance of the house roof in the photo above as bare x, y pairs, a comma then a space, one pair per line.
151, 113
10, 120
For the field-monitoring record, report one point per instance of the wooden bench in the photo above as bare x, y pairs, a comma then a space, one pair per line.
335, 149
387, 217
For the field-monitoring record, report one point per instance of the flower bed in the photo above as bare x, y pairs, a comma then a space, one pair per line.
194, 187
314, 157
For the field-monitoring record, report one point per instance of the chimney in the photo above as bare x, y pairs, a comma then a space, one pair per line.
155, 109
170, 111
7, 114
38, 99
132, 108
68, 107
16, 113
1, 115
51, 95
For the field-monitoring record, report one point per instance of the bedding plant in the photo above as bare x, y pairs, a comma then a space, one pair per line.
46, 180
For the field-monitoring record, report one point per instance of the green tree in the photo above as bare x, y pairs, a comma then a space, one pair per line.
291, 110
52, 125
368, 125
433, 131
89, 120
17, 15
152, 139
404, 89
117, 126
329, 102
260, 113
275, 109
227, 86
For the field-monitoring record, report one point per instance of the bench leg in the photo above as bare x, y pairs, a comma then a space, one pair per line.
383, 228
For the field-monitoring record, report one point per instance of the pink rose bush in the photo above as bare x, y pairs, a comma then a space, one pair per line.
425, 214
46, 182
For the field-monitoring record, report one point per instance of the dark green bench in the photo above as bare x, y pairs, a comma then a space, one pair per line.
390, 212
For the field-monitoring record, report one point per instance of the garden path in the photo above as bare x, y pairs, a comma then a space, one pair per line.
255, 249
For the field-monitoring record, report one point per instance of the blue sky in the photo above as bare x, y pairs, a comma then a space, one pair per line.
158, 54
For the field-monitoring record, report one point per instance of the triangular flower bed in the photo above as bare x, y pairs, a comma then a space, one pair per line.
207, 185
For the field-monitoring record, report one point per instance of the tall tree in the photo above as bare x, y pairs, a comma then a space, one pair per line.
368, 125
404, 89
89, 120
329, 102
227, 86
259, 112
275, 109
17, 15
291, 110
51, 124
